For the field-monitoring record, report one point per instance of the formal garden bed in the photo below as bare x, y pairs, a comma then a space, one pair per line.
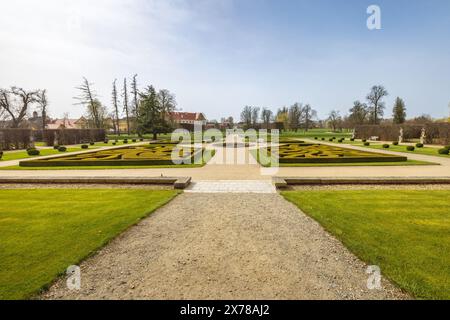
410, 243
310, 153
51, 229
155, 154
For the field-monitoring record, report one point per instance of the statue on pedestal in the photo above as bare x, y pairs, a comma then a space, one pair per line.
400, 138
423, 136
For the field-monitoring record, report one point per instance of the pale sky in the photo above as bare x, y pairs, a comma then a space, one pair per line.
219, 55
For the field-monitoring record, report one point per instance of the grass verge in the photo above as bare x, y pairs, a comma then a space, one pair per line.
405, 232
48, 230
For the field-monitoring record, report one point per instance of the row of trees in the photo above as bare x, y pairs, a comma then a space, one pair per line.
295, 117
145, 111
15, 103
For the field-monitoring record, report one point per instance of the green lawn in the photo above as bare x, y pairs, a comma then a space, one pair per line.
48, 230
311, 134
44, 152
402, 148
406, 233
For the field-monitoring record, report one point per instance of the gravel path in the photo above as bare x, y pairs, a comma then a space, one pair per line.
224, 246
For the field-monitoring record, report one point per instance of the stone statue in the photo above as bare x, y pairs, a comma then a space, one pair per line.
400, 138
353, 134
423, 136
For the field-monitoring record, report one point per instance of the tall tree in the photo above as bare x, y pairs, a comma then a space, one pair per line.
295, 116
125, 104
255, 117
115, 102
150, 110
15, 102
334, 119
135, 94
167, 101
246, 116
308, 115
283, 117
358, 113
376, 104
266, 117
43, 103
88, 98
399, 111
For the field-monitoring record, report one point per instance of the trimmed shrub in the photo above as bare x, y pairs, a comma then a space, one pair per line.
395, 143
367, 144
1, 155
92, 143
352, 139
331, 139
410, 148
125, 141
364, 140
33, 152
323, 139
386, 146
84, 146
106, 141
133, 140
441, 151
62, 149
55, 147
113, 143
315, 138
141, 139
419, 145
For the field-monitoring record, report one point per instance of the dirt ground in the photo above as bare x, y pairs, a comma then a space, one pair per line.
225, 246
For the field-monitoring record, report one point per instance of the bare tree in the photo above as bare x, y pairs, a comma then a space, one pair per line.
376, 104
334, 119
358, 113
135, 94
246, 116
167, 102
255, 117
88, 98
266, 117
115, 102
125, 104
295, 116
43, 103
15, 103
308, 115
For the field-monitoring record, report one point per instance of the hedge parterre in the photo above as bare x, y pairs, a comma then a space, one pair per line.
319, 153
153, 154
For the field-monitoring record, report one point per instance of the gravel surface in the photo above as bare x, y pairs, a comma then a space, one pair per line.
225, 246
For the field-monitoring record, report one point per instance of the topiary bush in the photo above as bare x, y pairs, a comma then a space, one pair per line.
133, 140
441, 151
352, 139
331, 139
113, 143
84, 146
364, 140
323, 139
367, 144
1, 155
141, 139
395, 143
92, 143
410, 148
315, 138
125, 141
106, 141
62, 149
33, 152
54, 147
419, 145
386, 146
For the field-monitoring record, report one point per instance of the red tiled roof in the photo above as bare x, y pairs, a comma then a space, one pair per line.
191, 116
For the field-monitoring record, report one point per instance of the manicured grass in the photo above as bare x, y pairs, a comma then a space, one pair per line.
43, 231
406, 233
402, 148
320, 133
43, 152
